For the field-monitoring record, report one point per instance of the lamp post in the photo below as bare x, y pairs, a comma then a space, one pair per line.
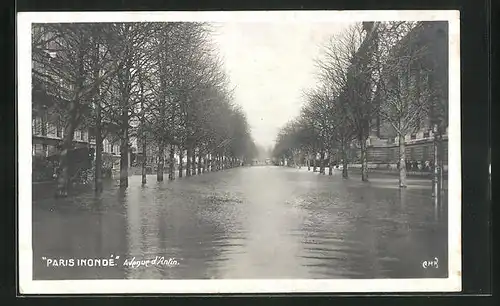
436, 188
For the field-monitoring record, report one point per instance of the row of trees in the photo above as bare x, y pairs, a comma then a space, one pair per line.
161, 83
394, 72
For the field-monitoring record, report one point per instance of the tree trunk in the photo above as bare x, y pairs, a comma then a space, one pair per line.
308, 162
330, 162
98, 166
98, 151
181, 160
63, 179
364, 161
314, 161
123, 165
322, 162
441, 161
193, 162
171, 159
161, 163
124, 149
199, 163
144, 161
345, 171
125, 88
98, 123
188, 161
402, 161
435, 177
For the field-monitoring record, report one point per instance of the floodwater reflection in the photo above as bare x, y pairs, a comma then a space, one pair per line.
257, 222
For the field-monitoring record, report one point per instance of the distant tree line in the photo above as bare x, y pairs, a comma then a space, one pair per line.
395, 72
161, 83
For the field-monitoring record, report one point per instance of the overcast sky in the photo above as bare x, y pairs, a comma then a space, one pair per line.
270, 64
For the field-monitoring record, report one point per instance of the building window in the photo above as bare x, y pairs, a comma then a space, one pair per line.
82, 134
51, 129
413, 136
426, 134
59, 131
105, 145
37, 126
52, 150
77, 135
38, 150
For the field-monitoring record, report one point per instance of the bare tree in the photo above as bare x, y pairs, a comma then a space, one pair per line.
318, 110
133, 42
162, 83
62, 62
347, 67
402, 85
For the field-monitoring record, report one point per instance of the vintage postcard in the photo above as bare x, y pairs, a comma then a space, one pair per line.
239, 152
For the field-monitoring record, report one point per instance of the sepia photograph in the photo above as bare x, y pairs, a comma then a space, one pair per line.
239, 152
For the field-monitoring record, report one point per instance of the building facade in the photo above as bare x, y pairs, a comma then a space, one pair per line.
383, 143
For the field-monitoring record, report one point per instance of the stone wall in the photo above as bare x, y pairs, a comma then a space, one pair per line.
418, 150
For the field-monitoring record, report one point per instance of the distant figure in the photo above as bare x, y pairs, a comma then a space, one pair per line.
55, 173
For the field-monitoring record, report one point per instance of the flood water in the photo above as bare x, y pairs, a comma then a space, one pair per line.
252, 222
